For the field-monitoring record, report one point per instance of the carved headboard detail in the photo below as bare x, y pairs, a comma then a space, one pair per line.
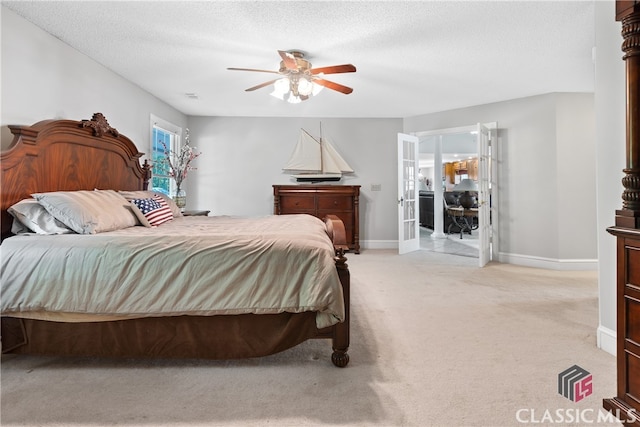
67, 155
100, 125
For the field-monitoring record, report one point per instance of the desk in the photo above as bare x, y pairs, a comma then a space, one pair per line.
463, 218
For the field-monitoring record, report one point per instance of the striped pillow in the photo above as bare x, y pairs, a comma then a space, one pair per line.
152, 212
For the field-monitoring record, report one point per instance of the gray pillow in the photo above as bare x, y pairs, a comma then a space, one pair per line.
31, 216
89, 212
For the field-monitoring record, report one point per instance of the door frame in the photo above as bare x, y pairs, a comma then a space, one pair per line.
493, 135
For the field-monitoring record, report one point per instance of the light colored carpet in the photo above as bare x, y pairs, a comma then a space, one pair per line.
436, 341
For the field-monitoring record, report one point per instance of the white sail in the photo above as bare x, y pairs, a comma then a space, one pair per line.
316, 160
306, 154
330, 155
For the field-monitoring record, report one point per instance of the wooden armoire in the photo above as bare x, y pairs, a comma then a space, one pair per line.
626, 404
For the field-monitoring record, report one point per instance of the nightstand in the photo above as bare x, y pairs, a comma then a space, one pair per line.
195, 213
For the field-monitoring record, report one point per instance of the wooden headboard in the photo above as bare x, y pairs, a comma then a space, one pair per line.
67, 155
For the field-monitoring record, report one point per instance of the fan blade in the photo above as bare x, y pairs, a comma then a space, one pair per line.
288, 60
252, 69
261, 85
335, 86
335, 69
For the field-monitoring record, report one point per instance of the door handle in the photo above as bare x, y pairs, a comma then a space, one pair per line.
401, 201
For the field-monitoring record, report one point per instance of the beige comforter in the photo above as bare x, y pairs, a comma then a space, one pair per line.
188, 266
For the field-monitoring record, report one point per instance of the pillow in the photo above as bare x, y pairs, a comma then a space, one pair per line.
31, 216
142, 194
18, 228
89, 212
153, 211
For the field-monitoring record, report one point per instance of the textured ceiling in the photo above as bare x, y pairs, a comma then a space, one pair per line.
412, 57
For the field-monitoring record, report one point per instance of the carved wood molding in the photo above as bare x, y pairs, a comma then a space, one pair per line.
100, 126
631, 35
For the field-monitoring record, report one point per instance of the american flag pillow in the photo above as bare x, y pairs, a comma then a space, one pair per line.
154, 211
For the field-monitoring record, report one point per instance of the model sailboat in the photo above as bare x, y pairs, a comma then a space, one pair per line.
316, 160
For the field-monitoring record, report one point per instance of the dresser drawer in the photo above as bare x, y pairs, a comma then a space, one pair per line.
338, 203
633, 262
297, 203
633, 375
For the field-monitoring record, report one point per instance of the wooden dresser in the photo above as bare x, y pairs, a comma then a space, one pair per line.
319, 201
626, 404
627, 400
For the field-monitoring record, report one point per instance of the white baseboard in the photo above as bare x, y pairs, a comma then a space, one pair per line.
379, 244
548, 263
524, 260
606, 339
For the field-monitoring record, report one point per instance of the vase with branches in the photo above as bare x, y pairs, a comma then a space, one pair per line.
178, 165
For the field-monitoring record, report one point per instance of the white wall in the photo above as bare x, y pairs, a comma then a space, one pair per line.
538, 137
610, 149
44, 78
243, 157
576, 199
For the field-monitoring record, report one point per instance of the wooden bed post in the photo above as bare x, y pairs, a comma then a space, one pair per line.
340, 331
340, 358
629, 13
626, 404
147, 169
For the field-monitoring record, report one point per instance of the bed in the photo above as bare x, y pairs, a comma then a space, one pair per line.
181, 287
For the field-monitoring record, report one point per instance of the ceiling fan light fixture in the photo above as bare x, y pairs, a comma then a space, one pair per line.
298, 80
316, 88
277, 95
305, 87
293, 99
281, 88
293, 90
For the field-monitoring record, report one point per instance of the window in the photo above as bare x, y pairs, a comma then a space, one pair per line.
163, 134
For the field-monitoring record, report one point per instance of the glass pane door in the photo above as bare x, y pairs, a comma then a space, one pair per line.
408, 206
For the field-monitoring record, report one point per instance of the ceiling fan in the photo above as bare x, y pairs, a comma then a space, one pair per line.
298, 79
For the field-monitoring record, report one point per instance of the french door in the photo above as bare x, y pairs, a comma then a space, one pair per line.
408, 215
484, 195
487, 187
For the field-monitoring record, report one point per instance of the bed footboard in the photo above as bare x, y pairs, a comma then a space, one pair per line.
339, 333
